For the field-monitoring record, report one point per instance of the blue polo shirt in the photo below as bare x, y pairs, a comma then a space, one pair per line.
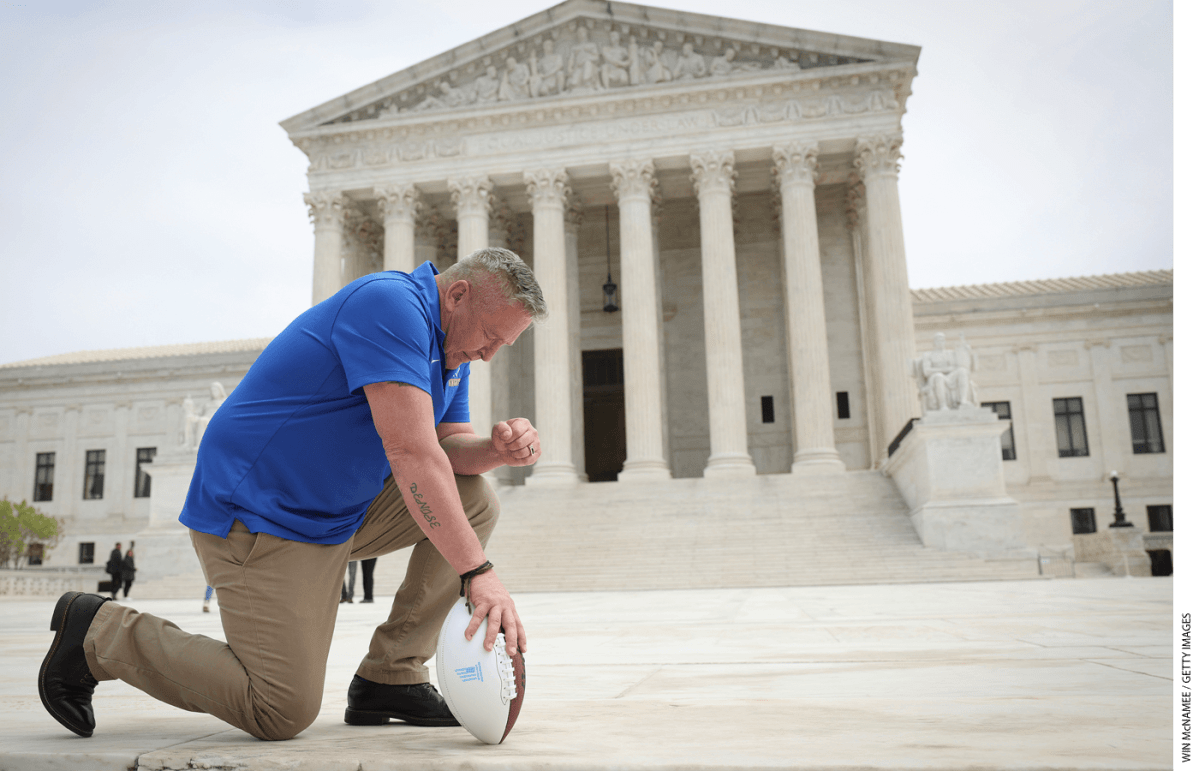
293, 451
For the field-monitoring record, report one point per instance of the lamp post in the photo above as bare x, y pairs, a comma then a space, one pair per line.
609, 287
1120, 520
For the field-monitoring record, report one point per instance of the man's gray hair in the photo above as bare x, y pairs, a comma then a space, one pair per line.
513, 277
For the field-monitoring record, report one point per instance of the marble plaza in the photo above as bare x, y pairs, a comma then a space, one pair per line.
1010, 675
712, 209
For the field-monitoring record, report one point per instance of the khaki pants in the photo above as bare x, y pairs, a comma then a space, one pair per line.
278, 602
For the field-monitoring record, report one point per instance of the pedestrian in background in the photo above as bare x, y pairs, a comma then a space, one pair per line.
114, 569
368, 579
207, 597
128, 569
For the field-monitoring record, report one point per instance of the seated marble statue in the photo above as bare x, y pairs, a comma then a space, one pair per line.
944, 376
201, 422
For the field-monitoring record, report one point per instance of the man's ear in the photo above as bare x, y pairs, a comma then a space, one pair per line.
457, 293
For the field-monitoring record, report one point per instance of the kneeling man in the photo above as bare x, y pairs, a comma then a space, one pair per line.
349, 438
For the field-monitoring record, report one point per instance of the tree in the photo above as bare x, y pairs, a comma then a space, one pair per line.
21, 526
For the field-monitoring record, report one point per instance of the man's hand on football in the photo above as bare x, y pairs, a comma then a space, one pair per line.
517, 442
492, 601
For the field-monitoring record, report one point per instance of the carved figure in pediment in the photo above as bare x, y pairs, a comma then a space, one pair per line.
883, 100
783, 63
690, 64
389, 110
549, 75
584, 63
724, 65
487, 86
190, 418
653, 68
615, 70
515, 84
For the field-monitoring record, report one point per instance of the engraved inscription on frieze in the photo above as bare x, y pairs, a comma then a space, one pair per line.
587, 58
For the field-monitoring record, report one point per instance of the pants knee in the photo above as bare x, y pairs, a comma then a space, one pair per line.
280, 724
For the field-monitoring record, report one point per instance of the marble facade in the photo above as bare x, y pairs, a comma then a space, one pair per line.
740, 183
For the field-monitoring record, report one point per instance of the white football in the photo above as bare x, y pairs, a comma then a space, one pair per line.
483, 689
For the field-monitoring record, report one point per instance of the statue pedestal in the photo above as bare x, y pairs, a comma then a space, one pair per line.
1121, 549
949, 470
164, 548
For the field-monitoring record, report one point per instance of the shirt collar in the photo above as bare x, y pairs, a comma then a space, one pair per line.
426, 278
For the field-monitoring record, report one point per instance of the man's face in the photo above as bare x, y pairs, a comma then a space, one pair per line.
477, 323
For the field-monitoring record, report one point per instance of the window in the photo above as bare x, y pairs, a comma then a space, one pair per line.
842, 405
43, 482
1008, 441
87, 553
767, 409
93, 475
1082, 520
1071, 428
36, 552
1161, 519
141, 480
1146, 424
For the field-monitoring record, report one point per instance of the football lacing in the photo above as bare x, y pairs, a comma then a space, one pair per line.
507, 671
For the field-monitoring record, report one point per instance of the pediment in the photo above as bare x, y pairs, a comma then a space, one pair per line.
590, 47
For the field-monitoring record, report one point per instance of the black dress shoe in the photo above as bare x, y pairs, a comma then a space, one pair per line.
368, 599
65, 683
375, 703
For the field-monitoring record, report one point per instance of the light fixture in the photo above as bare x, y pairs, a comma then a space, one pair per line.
609, 288
1120, 520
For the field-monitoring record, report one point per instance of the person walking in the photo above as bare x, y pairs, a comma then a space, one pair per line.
115, 560
207, 598
128, 570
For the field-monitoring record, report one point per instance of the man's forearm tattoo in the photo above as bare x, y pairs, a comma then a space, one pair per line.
424, 507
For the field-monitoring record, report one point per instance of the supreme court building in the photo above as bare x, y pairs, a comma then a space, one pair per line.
738, 183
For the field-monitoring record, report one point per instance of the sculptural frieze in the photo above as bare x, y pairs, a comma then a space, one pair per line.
590, 59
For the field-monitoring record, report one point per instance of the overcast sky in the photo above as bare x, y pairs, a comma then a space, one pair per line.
149, 196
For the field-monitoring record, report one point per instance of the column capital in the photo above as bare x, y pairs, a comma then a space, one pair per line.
878, 155
325, 208
712, 171
632, 178
398, 202
547, 187
472, 195
795, 163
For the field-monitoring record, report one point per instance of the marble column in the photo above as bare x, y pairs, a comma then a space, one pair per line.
472, 197
24, 463
887, 292
807, 334
633, 182
1166, 397
1035, 430
548, 192
712, 173
326, 209
499, 228
1110, 410
573, 220
855, 220
121, 466
399, 205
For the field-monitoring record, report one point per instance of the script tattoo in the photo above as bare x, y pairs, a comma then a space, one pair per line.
425, 510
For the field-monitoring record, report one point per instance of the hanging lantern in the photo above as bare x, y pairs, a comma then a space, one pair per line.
609, 287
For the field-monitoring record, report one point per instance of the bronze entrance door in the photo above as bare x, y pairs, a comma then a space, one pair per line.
603, 414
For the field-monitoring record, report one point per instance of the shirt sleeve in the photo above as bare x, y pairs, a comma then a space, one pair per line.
458, 410
382, 334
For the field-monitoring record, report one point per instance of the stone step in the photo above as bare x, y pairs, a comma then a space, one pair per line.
776, 530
